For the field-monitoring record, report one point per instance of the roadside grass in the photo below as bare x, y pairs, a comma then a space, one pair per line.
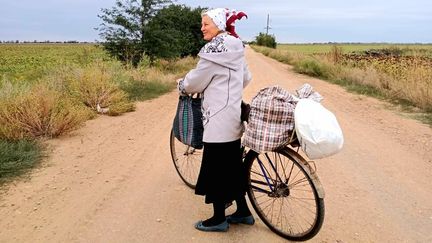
28, 112
407, 86
144, 90
18, 157
51, 95
147, 82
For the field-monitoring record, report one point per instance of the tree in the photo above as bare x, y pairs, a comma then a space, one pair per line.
266, 40
124, 27
175, 31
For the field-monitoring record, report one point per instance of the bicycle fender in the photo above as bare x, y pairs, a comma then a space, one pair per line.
306, 166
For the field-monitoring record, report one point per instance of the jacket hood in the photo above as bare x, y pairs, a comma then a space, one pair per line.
224, 50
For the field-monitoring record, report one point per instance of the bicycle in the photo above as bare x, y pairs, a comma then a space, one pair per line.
284, 188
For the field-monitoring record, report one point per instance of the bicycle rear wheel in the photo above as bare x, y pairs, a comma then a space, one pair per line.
284, 195
187, 160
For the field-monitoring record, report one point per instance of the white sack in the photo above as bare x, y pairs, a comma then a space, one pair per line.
317, 129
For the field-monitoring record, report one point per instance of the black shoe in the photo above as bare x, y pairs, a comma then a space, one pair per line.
249, 220
222, 227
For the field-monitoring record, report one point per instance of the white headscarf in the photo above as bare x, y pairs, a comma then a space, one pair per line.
225, 18
219, 17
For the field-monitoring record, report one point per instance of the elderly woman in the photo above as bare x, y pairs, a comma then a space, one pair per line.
220, 75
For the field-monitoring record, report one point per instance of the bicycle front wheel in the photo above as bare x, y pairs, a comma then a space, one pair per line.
187, 160
284, 195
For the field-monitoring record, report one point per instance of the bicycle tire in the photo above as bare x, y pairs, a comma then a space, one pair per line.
187, 160
287, 192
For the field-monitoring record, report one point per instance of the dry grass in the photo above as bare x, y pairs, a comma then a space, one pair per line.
398, 78
94, 86
407, 80
62, 100
417, 87
37, 112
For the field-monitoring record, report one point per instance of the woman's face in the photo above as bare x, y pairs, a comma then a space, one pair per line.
208, 28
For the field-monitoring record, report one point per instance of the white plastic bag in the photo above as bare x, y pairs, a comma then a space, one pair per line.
317, 129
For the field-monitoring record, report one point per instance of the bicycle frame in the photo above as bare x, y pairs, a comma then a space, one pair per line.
265, 174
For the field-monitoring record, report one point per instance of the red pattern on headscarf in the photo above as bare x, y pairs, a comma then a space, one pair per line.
230, 28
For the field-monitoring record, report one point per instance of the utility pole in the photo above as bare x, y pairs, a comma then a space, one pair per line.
268, 22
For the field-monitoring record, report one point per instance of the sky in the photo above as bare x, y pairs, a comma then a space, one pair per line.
291, 21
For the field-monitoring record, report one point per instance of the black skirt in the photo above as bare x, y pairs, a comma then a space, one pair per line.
222, 176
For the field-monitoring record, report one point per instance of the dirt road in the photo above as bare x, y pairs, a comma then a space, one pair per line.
113, 180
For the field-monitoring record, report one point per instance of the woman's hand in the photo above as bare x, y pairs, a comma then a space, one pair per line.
181, 92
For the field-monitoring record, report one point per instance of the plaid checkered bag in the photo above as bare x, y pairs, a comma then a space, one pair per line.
271, 120
188, 126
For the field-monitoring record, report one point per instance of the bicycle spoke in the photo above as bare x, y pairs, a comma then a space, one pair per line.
282, 165
287, 223
290, 208
302, 198
256, 173
272, 207
302, 218
283, 220
303, 180
262, 195
270, 203
301, 190
297, 220
186, 161
305, 211
301, 185
294, 178
291, 170
293, 199
266, 202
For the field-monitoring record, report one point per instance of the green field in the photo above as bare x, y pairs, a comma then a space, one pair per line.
349, 48
32, 61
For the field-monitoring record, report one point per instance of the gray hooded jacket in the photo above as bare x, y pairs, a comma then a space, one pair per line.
221, 74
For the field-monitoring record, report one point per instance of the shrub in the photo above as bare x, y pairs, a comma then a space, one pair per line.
266, 40
37, 111
94, 86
